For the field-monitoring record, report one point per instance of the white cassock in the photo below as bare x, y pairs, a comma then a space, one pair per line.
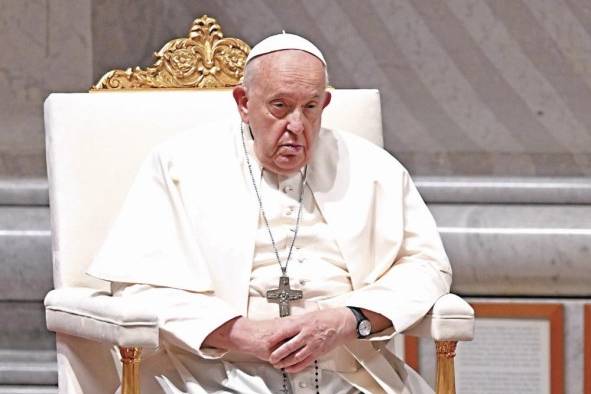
190, 239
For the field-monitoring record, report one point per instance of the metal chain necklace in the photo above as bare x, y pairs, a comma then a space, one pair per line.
282, 295
264, 215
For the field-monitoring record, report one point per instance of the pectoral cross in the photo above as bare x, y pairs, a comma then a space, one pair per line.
283, 295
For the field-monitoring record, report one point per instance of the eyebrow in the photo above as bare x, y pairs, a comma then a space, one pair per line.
280, 94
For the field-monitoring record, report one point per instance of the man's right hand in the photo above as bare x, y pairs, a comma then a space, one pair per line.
256, 337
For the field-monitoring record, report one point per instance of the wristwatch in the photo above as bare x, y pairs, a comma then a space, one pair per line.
363, 323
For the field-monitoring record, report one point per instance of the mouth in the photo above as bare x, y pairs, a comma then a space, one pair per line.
290, 149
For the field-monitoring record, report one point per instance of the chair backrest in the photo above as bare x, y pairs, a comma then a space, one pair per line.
97, 141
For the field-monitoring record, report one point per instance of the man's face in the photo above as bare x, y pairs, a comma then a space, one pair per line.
283, 104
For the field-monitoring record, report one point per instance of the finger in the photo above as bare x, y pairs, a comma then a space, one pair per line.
294, 357
300, 366
283, 334
287, 348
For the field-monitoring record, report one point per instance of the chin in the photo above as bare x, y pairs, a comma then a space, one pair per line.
287, 169
284, 171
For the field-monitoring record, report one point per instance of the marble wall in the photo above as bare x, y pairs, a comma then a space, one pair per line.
469, 87
45, 46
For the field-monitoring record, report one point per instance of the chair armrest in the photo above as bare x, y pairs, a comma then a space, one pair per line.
450, 319
96, 315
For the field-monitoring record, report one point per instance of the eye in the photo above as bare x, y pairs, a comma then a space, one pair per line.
311, 105
278, 108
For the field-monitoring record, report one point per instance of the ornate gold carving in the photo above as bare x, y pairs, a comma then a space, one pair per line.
446, 349
205, 59
130, 379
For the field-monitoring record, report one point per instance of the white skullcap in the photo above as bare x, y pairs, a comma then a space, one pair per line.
282, 42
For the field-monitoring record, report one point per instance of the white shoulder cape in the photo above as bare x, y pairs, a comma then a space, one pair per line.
190, 219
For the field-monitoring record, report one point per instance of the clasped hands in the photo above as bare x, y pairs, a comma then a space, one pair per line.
292, 342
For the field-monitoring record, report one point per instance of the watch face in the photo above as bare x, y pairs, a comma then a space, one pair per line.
364, 328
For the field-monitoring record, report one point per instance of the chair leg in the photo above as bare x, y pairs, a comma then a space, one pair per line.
130, 381
446, 381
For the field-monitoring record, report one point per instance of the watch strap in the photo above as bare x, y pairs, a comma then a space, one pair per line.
360, 317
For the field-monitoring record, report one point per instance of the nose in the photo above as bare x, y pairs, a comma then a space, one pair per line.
295, 121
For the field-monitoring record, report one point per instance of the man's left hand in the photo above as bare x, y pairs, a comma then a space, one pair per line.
311, 335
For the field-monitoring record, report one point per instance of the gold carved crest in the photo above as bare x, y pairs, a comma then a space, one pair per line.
205, 59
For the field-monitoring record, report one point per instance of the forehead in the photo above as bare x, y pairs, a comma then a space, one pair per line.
290, 69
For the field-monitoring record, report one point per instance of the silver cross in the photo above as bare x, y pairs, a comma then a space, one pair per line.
283, 295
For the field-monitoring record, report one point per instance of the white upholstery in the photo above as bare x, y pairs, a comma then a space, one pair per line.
450, 319
95, 315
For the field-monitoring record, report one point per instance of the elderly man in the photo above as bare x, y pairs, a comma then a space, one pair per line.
279, 256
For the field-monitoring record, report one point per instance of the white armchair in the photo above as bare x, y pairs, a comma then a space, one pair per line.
95, 144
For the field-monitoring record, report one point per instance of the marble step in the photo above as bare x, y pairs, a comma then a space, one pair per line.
485, 242
549, 241
25, 253
28, 389
504, 190
24, 191
517, 250
23, 327
28, 367
440, 189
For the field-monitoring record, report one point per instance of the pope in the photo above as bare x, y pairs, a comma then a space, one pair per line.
279, 256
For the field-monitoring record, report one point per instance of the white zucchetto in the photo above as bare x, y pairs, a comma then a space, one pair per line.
282, 42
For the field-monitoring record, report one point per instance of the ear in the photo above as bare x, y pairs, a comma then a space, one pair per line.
241, 99
327, 98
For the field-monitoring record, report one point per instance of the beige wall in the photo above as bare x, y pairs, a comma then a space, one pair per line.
469, 87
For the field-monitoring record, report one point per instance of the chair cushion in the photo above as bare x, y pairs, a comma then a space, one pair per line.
450, 319
98, 316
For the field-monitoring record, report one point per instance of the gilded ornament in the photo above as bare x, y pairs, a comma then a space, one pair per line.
205, 59
446, 349
130, 379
